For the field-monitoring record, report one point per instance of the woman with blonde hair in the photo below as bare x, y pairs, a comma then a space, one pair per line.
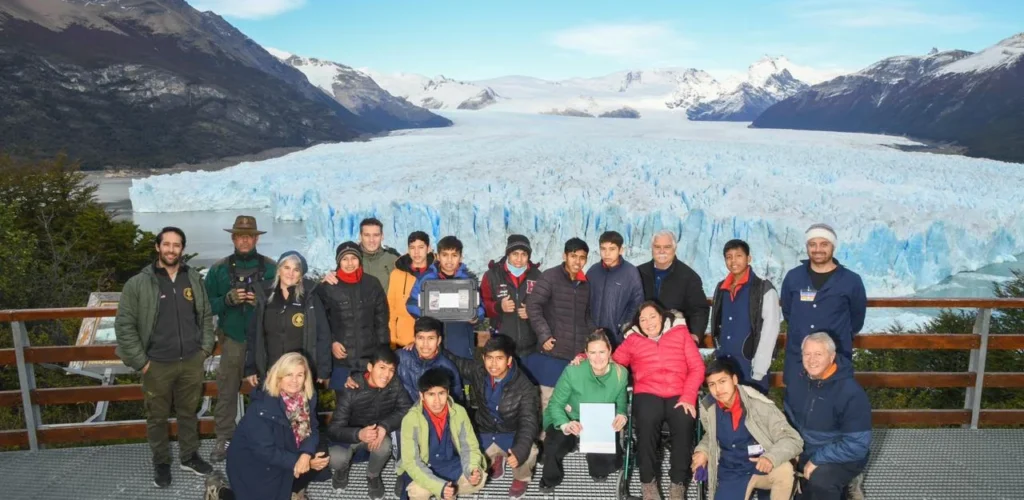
274, 453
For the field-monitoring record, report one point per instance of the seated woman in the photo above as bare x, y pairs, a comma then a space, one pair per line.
595, 380
273, 455
667, 372
289, 317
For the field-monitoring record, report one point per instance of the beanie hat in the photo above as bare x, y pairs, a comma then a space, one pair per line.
348, 247
518, 242
821, 231
302, 260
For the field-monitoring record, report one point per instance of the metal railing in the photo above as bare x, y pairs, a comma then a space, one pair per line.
979, 342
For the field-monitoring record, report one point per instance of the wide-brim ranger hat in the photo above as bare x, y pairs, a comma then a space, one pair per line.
245, 224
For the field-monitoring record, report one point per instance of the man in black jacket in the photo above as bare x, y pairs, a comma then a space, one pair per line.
364, 418
507, 418
675, 285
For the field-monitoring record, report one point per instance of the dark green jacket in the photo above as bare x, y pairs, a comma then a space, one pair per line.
380, 264
233, 320
137, 312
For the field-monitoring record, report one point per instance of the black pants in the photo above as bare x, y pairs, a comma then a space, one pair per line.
557, 445
650, 413
828, 481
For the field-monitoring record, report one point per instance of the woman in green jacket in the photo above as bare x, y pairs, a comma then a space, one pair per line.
597, 379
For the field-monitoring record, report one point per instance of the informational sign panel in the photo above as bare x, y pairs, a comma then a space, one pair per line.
99, 331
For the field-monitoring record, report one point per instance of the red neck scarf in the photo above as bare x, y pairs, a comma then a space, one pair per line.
727, 284
736, 410
351, 278
439, 420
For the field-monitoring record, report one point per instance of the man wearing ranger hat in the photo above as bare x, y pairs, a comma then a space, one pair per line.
230, 284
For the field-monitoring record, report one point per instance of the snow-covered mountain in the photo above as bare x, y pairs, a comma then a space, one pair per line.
972, 100
439, 92
768, 82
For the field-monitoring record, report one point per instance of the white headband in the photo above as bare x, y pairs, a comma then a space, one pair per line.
820, 232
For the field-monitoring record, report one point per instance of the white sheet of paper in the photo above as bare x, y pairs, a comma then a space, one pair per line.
448, 301
598, 435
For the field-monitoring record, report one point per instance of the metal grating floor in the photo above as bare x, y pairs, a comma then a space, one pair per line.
905, 464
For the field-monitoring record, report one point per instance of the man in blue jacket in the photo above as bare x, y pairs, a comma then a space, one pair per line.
821, 296
833, 415
615, 288
423, 354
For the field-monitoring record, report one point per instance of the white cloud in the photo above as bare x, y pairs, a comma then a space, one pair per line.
248, 9
885, 14
628, 41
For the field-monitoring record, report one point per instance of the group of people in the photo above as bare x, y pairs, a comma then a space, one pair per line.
457, 405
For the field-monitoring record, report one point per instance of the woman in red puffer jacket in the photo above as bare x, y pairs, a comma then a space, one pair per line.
667, 372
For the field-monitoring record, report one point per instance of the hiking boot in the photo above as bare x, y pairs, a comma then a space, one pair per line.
376, 487
340, 479
650, 491
214, 483
547, 489
162, 475
220, 451
518, 489
677, 491
853, 490
299, 495
497, 469
196, 465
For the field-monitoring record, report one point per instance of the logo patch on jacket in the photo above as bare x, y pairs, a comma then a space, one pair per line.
529, 285
188, 294
298, 319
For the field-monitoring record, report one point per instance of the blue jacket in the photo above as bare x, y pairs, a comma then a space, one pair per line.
615, 295
262, 454
411, 368
838, 308
459, 336
833, 416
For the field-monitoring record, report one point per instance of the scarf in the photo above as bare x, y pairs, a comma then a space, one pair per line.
296, 408
351, 278
439, 420
735, 411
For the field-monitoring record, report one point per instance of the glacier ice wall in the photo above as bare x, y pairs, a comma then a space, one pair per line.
905, 220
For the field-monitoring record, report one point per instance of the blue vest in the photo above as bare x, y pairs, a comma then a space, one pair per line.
444, 462
736, 327
733, 463
492, 395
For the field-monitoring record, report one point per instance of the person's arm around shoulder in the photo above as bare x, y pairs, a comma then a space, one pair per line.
126, 330
771, 317
623, 355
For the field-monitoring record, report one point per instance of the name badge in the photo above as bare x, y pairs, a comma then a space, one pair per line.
807, 295
755, 450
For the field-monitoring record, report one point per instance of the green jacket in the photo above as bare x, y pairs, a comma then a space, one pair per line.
233, 320
137, 312
416, 446
578, 384
766, 423
380, 264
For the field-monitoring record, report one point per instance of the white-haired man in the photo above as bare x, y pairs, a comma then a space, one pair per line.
674, 284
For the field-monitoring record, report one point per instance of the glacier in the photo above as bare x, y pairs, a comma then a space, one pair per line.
906, 221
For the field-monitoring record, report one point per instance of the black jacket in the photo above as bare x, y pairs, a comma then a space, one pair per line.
519, 409
496, 281
559, 307
358, 408
358, 315
316, 336
681, 290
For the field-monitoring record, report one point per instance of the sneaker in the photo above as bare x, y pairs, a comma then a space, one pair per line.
599, 479
162, 475
340, 479
677, 491
650, 491
547, 489
196, 465
518, 489
214, 483
220, 451
497, 469
376, 487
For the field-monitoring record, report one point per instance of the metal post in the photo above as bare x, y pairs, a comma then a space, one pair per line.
27, 382
977, 365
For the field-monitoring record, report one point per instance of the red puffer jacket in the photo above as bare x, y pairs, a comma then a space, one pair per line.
670, 367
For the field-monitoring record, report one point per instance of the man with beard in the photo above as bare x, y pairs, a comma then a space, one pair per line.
164, 329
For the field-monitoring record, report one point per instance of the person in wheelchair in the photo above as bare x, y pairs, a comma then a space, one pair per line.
747, 443
597, 379
667, 372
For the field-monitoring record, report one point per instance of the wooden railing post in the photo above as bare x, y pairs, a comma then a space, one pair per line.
27, 383
976, 365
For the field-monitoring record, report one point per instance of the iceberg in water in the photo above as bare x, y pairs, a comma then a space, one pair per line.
905, 220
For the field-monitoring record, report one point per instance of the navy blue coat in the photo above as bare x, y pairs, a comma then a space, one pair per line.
833, 416
615, 295
262, 454
411, 368
838, 309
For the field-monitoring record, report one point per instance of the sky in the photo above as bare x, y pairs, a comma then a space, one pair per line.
558, 39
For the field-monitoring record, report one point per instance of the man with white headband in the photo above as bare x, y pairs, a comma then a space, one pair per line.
821, 295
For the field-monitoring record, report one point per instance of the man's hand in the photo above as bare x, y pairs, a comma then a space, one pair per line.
572, 428
301, 465
235, 296
351, 384
700, 459
253, 380
522, 313
688, 408
320, 461
549, 345
619, 422
146, 368
330, 279
764, 465
368, 434
249, 298
449, 492
808, 469
381, 434
475, 477
339, 350
512, 461
474, 321
508, 305
578, 359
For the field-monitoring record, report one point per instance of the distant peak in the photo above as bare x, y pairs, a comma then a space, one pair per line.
934, 51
